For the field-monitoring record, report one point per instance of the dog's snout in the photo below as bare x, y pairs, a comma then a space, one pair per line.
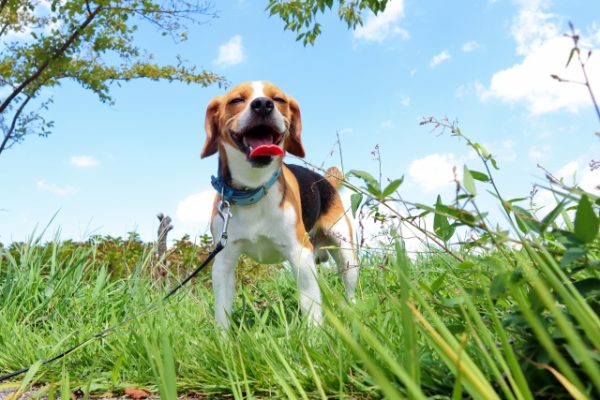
262, 106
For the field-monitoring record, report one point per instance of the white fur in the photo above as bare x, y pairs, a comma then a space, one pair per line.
243, 174
265, 232
258, 89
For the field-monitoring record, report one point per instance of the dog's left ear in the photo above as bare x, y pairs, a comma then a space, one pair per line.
293, 143
211, 125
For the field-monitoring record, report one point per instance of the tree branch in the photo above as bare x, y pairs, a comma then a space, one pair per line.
10, 131
59, 52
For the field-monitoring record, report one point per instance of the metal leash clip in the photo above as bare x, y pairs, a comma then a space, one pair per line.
223, 210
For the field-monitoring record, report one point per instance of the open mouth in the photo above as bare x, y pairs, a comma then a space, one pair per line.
260, 141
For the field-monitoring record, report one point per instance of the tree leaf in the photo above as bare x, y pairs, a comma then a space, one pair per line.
586, 221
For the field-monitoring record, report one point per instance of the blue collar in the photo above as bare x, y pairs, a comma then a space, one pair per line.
242, 197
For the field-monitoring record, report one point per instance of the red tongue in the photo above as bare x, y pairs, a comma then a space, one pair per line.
266, 150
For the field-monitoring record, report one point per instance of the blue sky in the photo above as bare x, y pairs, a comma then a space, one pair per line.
111, 169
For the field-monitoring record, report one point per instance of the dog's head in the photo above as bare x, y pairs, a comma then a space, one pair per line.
253, 115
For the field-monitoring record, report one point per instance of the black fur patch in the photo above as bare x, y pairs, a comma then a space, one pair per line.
316, 194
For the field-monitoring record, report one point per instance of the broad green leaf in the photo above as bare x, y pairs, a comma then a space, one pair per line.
355, 200
393, 185
438, 282
374, 190
586, 221
468, 181
571, 255
441, 226
521, 224
480, 176
525, 220
365, 176
462, 216
552, 215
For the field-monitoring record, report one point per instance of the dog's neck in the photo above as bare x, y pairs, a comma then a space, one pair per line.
240, 173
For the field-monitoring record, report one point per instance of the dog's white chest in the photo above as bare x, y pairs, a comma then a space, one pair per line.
264, 231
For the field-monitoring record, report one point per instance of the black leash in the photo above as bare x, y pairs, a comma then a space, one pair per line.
223, 209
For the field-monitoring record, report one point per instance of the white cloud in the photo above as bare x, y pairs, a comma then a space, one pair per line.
532, 27
469, 46
530, 81
433, 172
439, 58
545, 51
383, 25
83, 161
194, 211
54, 189
405, 101
231, 53
539, 153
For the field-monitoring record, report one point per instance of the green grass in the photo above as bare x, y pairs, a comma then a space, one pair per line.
430, 327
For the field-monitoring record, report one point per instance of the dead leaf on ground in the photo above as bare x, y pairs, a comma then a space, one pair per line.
137, 394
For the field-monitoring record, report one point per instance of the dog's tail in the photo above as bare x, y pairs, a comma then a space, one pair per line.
335, 176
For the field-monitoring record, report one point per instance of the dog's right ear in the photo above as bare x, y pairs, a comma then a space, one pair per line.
211, 125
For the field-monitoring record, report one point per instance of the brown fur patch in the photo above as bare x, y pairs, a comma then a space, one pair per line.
292, 199
335, 213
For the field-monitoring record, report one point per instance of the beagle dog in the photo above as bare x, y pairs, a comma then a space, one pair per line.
279, 211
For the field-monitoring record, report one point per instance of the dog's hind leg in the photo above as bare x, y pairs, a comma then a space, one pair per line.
343, 252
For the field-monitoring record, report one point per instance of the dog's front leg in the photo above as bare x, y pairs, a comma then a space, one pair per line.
223, 283
304, 270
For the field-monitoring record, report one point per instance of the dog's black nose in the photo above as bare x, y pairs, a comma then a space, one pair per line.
262, 106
